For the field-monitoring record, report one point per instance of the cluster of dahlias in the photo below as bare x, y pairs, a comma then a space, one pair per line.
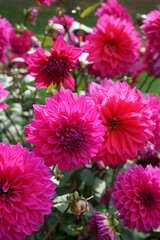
110, 124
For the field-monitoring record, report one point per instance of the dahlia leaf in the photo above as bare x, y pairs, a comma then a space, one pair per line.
90, 9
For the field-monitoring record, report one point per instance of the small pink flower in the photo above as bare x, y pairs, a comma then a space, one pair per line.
20, 43
66, 131
113, 46
56, 67
25, 192
137, 197
63, 20
126, 118
113, 8
3, 93
5, 30
102, 226
48, 2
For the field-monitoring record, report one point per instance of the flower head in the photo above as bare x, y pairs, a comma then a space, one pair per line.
67, 130
56, 67
20, 43
126, 119
113, 46
3, 93
32, 14
5, 30
102, 226
48, 2
151, 30
25, 192
136, 195
63, 20
113, 8
154, 103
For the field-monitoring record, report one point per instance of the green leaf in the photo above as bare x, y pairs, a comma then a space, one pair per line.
87, 176
90, 9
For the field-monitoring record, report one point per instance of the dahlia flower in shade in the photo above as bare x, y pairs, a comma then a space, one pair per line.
126, 118
26, 192
137, 197
113, 46
20, 43
154, 103
113, 8
3, 93
69, 20
102, 226
66, 131
54, 67
5, 29
48, 2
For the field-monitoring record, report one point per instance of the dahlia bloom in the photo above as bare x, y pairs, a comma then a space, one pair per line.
69, 20
56, 67
154, 103
113, 46
32, 15
48, 2
137, 197
102, 226
5, 30
26, 192
113, 8
3, 93
126, 118
67, 130
151, 30
20, 44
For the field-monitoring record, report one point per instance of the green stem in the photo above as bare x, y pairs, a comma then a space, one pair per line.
55, 225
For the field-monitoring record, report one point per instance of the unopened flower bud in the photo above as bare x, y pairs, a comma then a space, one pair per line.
78, 207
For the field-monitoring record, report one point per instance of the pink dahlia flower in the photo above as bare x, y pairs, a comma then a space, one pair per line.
113, 8
48, 2
151, 30
113, 46
56, 67
69, 20
67, 130
126, 118
137, 197
26, 192
102, 226
20, 44
154, 103
5, 30
3, 93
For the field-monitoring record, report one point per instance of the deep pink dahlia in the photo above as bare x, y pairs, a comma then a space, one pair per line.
56, 67
154, 103
113, 8
5, 29
25, 192
102, 226
20, 43
67, 130
126, 118
69, 20
151, 30
137, 197
113, 46
48, 2
3, 93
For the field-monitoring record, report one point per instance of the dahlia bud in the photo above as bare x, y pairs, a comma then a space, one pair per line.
55, 30
78, 207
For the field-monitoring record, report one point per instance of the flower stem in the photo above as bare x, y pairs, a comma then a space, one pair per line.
55, 225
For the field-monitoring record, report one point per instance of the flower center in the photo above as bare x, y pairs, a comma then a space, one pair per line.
147, 198
113, 124
58, 68
71, 139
